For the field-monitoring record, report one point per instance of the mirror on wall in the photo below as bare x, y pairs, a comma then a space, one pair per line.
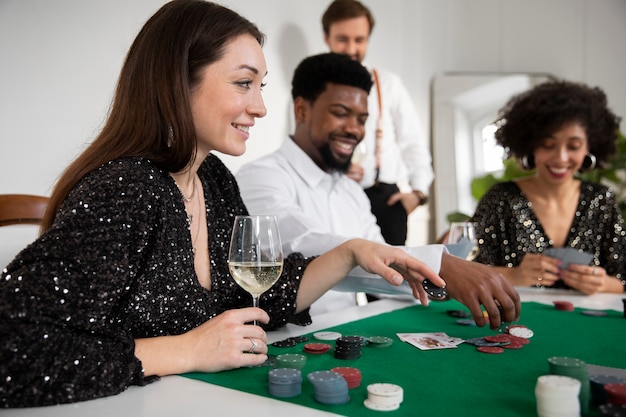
464, 106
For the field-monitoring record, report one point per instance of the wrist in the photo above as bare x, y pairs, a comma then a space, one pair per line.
421, 197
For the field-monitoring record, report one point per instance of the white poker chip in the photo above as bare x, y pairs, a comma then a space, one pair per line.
382, 389
380, 407
326, 335
524, 332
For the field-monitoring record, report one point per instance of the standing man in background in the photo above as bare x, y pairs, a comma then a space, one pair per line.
395, 150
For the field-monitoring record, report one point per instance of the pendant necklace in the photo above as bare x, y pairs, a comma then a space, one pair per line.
190, 216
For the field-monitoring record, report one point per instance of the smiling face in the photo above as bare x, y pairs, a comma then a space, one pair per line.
228, 99
331, 127
349, 37
559, 156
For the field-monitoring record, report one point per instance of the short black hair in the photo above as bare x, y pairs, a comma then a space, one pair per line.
315, 72
533, 115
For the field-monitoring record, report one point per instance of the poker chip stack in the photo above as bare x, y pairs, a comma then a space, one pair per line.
384, 397
349, 347
615, 394
557, 395
379, 341
351, 375
330, 387
285, 382
574, 368
290, 360
598, 395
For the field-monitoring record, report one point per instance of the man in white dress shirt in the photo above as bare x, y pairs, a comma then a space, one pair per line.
397, 151
304, 184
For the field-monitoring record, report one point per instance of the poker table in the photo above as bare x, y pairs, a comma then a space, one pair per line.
451, 382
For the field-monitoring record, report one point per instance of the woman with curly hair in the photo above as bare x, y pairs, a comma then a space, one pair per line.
558, 128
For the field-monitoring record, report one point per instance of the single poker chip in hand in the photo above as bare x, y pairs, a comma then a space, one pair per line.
434, 291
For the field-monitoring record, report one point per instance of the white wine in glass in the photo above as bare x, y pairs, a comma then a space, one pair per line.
461, 240
255, 257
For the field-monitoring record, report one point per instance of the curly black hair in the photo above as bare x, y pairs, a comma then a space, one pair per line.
532, 116
314, 72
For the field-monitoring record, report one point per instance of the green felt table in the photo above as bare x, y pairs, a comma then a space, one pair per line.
452, 382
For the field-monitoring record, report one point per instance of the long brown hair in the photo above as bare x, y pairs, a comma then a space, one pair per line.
150, 115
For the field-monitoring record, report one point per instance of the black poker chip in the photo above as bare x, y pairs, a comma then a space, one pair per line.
349, 347
434, 291
461, 314
290, 341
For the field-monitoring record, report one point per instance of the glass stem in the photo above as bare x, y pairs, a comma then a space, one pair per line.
255, 303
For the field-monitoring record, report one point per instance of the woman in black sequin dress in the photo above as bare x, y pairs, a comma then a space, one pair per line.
129, 279
557, 128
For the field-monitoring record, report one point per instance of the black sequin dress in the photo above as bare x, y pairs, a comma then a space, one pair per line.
116, 265
507, 228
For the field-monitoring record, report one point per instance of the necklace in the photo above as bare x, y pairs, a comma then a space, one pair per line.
191, 225
193, 191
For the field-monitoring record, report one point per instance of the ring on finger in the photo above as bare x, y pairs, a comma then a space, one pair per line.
594, 271
254, 345
539, 279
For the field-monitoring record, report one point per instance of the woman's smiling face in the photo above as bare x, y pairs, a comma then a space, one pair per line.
228, 99
559, 156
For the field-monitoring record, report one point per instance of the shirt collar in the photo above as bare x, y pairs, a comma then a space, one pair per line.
303, 164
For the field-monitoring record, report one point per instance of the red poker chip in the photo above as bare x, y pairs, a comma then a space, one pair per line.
490, 349
563, 305
316, 348
498, 338
351, 375
513, 345
520, 340
616, 390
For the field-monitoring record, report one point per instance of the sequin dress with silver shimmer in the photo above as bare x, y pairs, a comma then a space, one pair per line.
507, 228
116, 265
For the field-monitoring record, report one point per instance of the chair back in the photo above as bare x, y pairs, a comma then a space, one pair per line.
22, 209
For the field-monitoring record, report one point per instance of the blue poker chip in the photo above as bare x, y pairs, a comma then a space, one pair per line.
285, 382
594, 313
330, 387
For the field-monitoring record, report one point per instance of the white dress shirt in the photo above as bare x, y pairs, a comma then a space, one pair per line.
317, 211
405, 151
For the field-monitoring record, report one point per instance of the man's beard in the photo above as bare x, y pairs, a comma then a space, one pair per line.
331, 162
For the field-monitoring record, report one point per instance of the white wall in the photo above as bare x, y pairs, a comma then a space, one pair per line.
59, 61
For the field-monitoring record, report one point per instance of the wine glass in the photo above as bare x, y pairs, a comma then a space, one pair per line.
255, 258
461, 240
359, 153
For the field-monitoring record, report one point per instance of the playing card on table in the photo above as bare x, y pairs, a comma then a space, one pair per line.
569, 256
430, 341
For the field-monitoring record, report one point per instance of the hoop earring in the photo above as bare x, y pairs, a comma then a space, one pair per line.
528, 162
589, 163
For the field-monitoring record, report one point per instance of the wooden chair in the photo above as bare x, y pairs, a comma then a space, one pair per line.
22, 209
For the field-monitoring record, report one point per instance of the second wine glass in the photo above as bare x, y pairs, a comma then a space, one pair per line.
461, 240
255, 257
